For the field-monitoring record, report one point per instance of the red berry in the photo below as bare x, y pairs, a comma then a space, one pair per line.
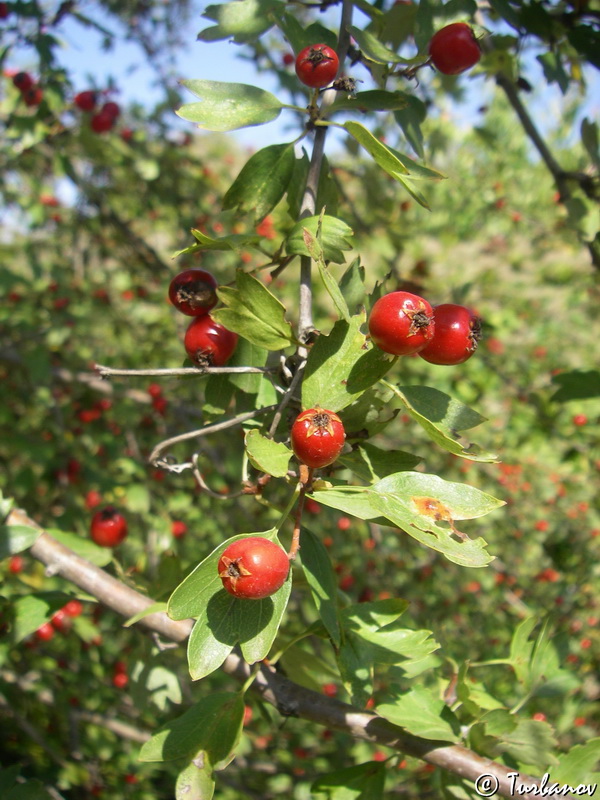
454, 49
33, 96
253, 568
317, 437
193, 292
344, 523
109, 527
45, 632
23, 81
4, 10
73, 608
119, 666
456, 334
127, 134
330, 689
154, 390
208, 343
86, 101
101, 123
60, 621
130, 778
317, 65
120, 680
111, 109
178, 528
401, 323
288, 59
15, 565
580, 420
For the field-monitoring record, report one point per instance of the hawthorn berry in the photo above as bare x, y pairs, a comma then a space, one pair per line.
457, 331
120, 680
111, 109
317, 65
15, 565
4, 11
109, 527
580, 420
401, 323
73, 608
45, 632
33, 96
208, 343
86, 101
317, 437
193, 292
154, 390
22, 81
101, 123
178, 528
253, 568
454, 48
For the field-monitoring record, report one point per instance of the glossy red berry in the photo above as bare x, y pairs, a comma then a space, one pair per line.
15, 565
74, 608
253, 568
109, 527
101, 123
178, 528
580, 420
111, 109
317, 65
86, 101
454, 48
208, 343
317, 437
120, 680
23, 81
33, 96
401, 323
457, 332
45, 632
193, 292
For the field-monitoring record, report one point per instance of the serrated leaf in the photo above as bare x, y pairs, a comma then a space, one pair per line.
243, 20
372, 100
211, 726
578, 765
442, 418
262, 182
423, 713
31, 611
370, 463
531, 742
341, 366
335, 237
266, 455
373, 49
425, 507
253, 312
300, 37
356, 669
361, 782
331, 285
16, 538
229, 106
320, 577
235, 242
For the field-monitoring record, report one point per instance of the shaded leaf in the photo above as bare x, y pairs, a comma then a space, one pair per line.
262, 182
229, 106
576, 385
320, 577
243, 20
266, 455
370, 463
16, 538
361, 782
335, 237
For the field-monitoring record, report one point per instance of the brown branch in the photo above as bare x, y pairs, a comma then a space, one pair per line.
289, 698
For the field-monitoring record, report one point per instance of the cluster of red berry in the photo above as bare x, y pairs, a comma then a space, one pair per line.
207, 343
402, 324
31, 93
105, 117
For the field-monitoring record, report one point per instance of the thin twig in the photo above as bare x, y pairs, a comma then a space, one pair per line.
107, 372
286, 398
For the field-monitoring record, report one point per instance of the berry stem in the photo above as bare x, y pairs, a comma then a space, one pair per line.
305, 482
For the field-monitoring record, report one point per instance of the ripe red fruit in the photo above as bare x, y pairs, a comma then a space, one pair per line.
86, 101
454, 48
154, 390
33, 96
15, 565
457, 332
23, 81
45, 632
193, 292
4, 11
401, 323
317, 437
288, 59
111, 109
317, 65
60, 621
253, 568
73, 608
109, 527
120, 680
101, 123
178, 528
580, 420
208, 343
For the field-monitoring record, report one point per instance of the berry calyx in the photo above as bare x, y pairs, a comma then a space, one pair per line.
401, 323
454, 49
208, 343
193, 292
86, 101
253, 568
23, 81
457, 333
109, 527
317, 437
317, 65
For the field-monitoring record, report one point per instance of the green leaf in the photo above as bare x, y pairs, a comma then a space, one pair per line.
370, 463
16, 538
352, 286
578, 765
30, 790
212, 726
442, 418
590, 140
341, 366
229, 106
576, 385
372, 100
266, 455
300, 37
373, 49
154, 608
242, 21
195, 782
262, 182
253, 312
31, 611
137, 498
331, 285
224, 620
531, 743
321, 581
100, 556
410, 118
335, 237
235, 242
423, 713
362, 782
521, 648
425, 507
356, 669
